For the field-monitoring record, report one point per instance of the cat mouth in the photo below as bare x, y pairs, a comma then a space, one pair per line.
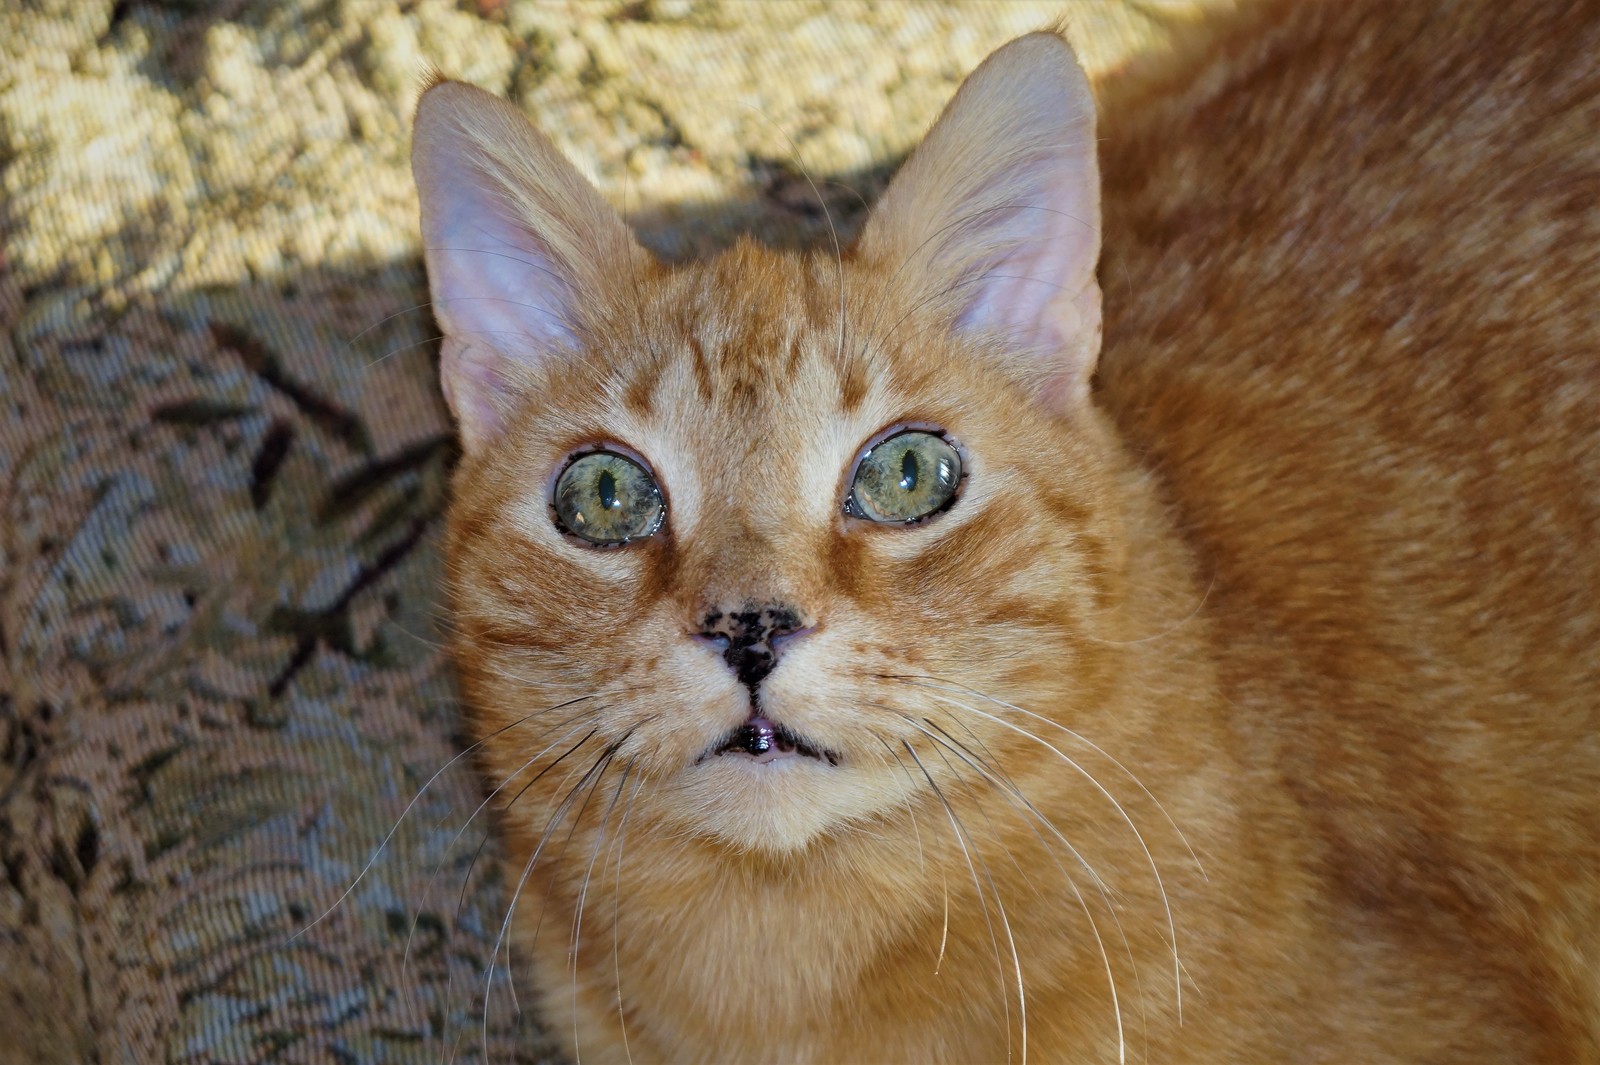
762, 740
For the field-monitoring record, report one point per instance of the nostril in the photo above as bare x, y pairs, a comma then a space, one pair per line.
780, 637
718, 641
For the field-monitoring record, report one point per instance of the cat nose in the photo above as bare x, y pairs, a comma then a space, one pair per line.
751, 636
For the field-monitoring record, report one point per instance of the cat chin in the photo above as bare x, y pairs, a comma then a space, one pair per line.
776, 807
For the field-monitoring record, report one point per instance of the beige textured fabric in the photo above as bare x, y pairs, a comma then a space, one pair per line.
223, 458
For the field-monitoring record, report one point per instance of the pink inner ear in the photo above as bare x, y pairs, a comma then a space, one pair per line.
517, 244
1034, 291
1037, 286
491, 276
1014, 155
498, 295
471, 388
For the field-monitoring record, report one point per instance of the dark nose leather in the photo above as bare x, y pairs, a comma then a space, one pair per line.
753, 633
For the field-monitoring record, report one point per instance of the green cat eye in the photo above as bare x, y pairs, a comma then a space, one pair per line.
607, 499
905, 478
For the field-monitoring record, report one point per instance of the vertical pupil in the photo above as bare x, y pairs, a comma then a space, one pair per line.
608, 490
908, 471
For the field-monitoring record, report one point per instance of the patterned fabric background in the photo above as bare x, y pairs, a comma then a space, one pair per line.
223, 458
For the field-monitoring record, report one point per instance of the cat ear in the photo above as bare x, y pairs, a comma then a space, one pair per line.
995, 218
518, 244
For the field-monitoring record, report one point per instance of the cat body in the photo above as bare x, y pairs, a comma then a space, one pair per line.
1240, 702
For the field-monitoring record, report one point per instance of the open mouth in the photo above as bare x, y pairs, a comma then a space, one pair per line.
765, 741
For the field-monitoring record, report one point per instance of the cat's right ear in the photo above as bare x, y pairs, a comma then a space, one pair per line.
518, 246
994, 221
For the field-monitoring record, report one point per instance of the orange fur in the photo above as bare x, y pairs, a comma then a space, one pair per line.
1257, 682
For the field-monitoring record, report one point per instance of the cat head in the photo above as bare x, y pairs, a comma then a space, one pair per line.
776, 536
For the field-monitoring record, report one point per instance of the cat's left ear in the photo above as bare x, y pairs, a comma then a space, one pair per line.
522, 252
994, 221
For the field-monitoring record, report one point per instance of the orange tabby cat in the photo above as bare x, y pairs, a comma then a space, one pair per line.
863, 674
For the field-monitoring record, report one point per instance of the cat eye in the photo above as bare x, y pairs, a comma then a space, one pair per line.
607, 499
905, 478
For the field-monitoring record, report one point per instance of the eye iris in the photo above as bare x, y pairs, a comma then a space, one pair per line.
893, 482
607, 499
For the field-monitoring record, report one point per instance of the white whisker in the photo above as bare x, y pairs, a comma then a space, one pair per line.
1172, 929
427, 892
596, 771
1093, 746
583, 893
1094, 928
961, 838
944, 935
415, 799
616, 916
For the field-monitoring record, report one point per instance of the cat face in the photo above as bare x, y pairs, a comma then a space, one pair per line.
766, 532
